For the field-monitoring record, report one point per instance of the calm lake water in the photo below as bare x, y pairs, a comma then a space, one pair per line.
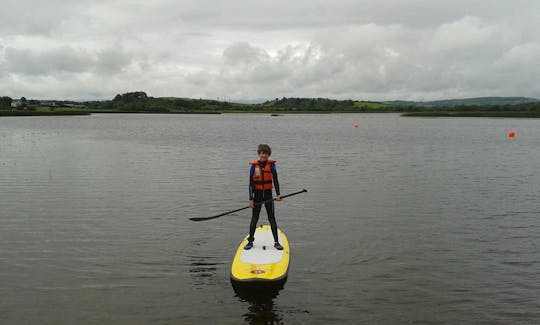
407, 220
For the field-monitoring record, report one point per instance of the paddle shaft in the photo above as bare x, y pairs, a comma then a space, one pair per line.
233, 211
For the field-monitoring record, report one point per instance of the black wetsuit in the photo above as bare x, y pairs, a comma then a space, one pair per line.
260, 196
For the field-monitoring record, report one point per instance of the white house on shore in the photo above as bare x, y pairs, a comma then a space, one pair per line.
16, 103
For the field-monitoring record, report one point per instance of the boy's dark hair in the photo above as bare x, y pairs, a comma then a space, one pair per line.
264, 148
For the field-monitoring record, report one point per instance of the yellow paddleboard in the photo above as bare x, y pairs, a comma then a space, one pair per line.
263, 262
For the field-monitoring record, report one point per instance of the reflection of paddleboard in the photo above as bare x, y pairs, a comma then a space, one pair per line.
263, 262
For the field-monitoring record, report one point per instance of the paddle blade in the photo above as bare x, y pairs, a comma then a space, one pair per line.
217, 216
198, 219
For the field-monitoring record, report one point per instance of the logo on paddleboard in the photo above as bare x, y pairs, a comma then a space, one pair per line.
257, 271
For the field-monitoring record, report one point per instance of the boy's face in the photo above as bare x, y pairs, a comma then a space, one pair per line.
263, 155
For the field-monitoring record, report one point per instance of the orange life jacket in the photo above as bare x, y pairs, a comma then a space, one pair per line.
262, 177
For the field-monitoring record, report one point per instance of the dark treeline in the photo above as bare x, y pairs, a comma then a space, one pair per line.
5, 102
139, 101
525, 107
323, 104
309, 104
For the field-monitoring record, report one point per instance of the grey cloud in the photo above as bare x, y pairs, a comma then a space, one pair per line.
112, 60
244, 53
64, 60
19, 17
284, 14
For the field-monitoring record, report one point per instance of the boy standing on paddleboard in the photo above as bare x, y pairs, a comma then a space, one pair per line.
262, 175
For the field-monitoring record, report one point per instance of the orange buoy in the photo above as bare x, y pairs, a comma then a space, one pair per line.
511, 133
356, 125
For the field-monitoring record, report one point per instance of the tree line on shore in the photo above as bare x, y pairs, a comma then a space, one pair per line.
139, 101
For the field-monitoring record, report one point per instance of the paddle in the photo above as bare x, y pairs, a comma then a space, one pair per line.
233, 211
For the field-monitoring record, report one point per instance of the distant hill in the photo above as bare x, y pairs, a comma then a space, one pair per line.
478, 101
139, 101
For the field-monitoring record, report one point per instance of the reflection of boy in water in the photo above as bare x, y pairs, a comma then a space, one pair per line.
260, 297
262, 175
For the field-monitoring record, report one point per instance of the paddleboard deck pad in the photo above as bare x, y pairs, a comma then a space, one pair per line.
263, 262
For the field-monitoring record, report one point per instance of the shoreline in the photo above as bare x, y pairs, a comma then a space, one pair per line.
517, 114
42, 113
508, 114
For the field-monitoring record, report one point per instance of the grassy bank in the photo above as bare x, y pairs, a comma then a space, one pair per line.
524, 114
108, 111
43, 113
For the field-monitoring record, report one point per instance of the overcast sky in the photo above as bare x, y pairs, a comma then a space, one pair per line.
253, 49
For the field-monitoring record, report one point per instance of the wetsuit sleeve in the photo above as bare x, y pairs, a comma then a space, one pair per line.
251, 183
275, 177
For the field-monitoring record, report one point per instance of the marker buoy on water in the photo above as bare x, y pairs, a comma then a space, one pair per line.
356, 125
511, 133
